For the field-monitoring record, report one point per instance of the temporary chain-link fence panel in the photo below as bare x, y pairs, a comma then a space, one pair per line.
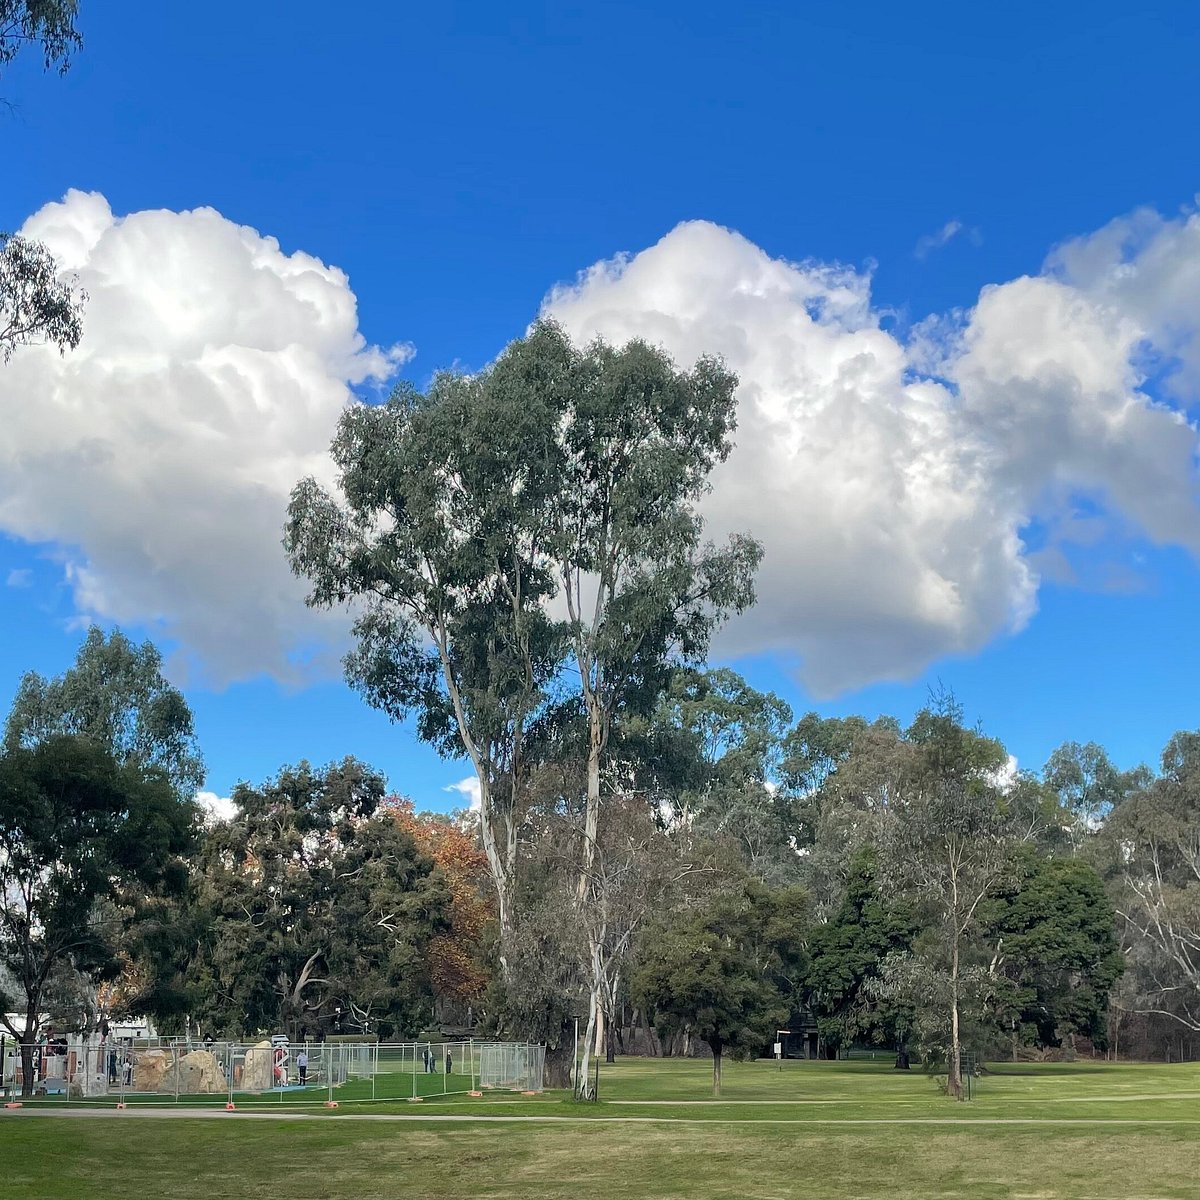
160, 1070
515, 1065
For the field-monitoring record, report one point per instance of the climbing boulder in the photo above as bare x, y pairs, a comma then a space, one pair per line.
149, 1067
258, 1068
197, 1073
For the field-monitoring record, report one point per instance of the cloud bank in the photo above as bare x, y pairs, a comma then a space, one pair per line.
892, 477
158, 457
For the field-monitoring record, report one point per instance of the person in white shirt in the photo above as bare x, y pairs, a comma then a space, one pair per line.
302, 1066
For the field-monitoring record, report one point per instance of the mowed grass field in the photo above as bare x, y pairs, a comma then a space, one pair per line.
839, 1130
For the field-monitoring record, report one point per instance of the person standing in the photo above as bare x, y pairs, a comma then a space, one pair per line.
302, 1066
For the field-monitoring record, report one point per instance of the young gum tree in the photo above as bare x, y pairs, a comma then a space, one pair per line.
635, 871
439, 538
948, 841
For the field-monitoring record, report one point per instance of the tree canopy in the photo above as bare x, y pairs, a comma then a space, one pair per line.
847, 953
730, 972
321, 909
116, 695
78, 829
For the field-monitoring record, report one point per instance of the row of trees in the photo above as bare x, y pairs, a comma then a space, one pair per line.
325, 906
534, 587
895, 885
898, 887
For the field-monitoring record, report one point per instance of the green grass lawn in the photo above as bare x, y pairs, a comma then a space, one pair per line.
838, 1130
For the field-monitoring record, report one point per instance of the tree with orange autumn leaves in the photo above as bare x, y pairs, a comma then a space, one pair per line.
458, 972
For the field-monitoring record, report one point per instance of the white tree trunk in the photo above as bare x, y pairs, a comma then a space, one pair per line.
499, 865
954, 1081
582, 1086
591, 816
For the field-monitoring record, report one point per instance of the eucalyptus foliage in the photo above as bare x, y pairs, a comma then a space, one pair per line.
36, 305
115, 694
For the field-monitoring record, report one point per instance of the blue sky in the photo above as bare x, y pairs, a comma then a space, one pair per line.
458, 162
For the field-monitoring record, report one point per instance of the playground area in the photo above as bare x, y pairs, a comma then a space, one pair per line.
148, 1071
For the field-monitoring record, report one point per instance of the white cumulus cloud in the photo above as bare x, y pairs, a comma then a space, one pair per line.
157, 458
216, 808
890, 480
468, 789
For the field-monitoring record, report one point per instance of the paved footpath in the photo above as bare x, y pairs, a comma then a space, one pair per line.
1118, 1099
210, 1114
